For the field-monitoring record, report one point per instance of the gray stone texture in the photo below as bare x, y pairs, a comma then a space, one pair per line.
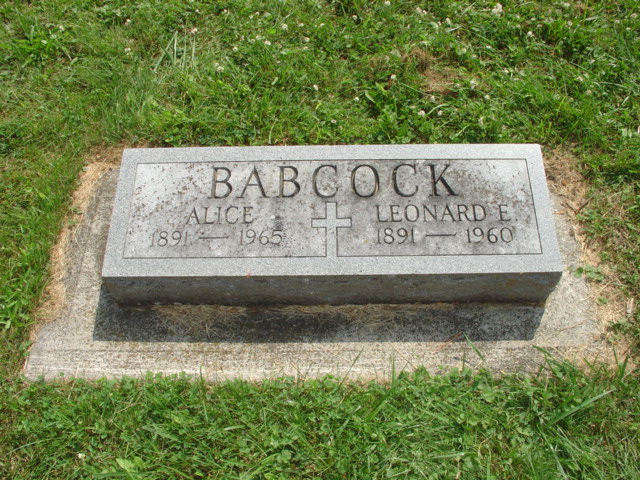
332, 225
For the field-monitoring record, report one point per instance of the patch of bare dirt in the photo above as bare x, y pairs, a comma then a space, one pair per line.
96, 163
439, 81
436, 80
566, 181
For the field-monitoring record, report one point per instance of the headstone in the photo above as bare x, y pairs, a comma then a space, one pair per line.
332, 225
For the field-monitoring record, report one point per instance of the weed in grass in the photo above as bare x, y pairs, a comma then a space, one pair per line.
590, 273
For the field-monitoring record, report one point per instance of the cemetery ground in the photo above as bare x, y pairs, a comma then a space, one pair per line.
79, 80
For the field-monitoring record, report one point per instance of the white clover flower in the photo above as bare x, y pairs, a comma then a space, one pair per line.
529, 34
473, 84
333, 121
267, 42
234, 49
588, 92
315, 87
387, 3
497, 10
440, 113
488, 47
193, 31
420, 11
300, 24
127, 50
81, 456
393, 77
61, 28
127, 22
306, 39
356, 99
570, 23
422, 113
432, 99
481, 122
284, 26
305, 48
219, 68
447, 21
267, 14
354, 17
321, 25
487, 97
566, 4
634, 15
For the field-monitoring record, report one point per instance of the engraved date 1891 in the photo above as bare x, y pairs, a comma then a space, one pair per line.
399, 236
164, 238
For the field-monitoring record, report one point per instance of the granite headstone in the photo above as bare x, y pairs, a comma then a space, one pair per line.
332, 225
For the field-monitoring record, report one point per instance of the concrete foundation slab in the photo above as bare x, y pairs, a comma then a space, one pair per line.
95, 337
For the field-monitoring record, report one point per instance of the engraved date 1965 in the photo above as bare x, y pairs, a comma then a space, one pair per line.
262, 237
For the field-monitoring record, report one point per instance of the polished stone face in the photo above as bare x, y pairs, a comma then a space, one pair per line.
332, 225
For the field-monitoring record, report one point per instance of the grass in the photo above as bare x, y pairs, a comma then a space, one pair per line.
459, 425
79, 75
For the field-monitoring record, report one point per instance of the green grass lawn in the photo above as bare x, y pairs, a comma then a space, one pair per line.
77, 76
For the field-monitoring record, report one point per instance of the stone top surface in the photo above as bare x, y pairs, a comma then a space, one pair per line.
331, 210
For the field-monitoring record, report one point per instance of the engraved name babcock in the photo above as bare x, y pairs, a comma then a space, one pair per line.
332, 208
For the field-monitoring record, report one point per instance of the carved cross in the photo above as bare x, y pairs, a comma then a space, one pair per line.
331, 223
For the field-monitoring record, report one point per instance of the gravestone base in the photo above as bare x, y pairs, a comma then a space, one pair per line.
95, 337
